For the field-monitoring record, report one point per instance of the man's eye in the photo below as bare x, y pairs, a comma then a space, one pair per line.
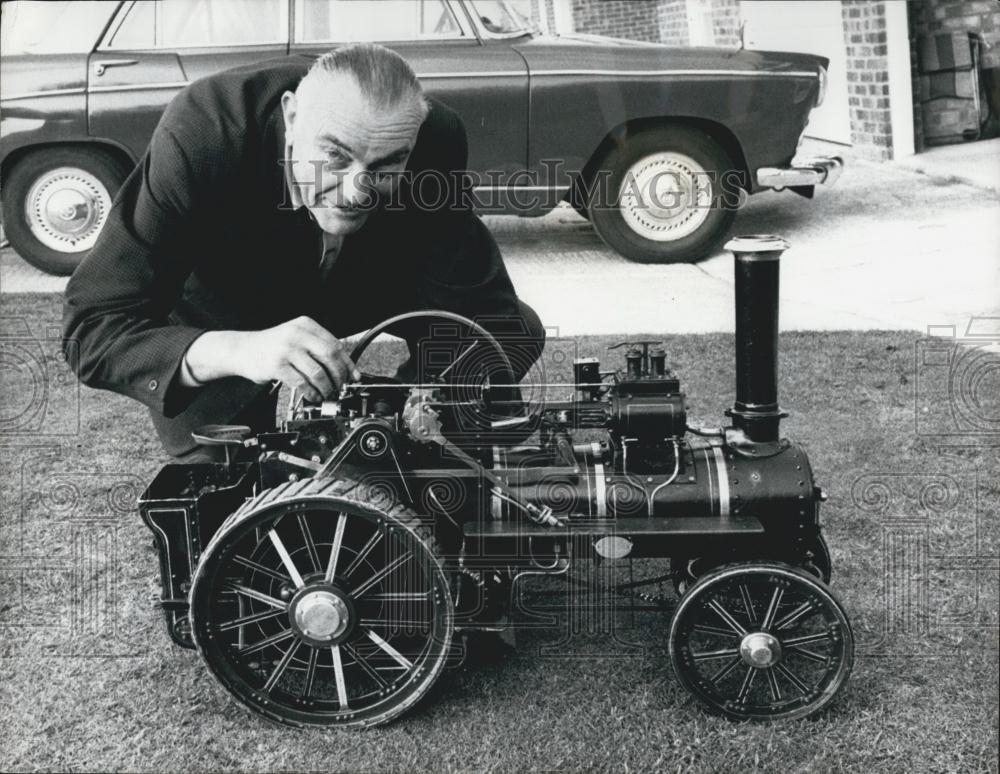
336, 158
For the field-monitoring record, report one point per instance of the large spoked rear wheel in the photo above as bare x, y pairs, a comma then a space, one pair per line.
761, 642
323, 603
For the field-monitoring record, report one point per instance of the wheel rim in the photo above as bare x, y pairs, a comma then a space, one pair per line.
665, 196
66, 209
307, 646
761, 643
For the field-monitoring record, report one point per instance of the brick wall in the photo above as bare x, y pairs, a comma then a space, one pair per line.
617, 19
865, 37
670, 19
538, 12
868, 78
935, 16
980, 16
915, 22
550, 14
542, 13
672, 22
725, 22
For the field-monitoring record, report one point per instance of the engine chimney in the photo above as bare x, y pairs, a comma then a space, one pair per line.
756, 410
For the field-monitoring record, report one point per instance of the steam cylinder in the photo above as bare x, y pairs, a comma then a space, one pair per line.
756, 410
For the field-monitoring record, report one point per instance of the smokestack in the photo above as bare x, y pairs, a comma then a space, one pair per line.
756, 410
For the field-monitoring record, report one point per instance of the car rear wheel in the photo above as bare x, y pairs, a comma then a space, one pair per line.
55, 203
665, 195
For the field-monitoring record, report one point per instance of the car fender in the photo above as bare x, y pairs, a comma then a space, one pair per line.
585, 96
42, 100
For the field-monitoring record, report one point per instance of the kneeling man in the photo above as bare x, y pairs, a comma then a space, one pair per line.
262, 225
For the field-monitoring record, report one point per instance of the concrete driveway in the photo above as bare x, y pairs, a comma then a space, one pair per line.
887, 247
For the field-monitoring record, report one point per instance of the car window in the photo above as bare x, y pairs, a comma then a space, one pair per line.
503, 18
318, 21
196, 23
30, 27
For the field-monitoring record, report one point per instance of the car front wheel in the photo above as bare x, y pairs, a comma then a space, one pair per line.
665, 195
55, 203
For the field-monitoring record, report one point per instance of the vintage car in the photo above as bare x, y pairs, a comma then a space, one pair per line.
657, 146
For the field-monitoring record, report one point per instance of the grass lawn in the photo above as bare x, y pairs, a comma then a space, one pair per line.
90, 681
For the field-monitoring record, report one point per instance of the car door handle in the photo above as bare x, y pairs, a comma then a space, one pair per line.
102, 65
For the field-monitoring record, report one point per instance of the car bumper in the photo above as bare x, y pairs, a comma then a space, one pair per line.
820, 170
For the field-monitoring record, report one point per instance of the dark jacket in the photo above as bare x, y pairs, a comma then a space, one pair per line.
196, 240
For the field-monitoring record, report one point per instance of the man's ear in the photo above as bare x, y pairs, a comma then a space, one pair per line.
288, 107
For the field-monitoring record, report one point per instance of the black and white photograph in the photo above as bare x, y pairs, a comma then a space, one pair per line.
500, 386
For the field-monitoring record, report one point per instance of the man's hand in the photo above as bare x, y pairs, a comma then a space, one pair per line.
301, 353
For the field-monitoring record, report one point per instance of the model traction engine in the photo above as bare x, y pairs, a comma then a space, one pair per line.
324, 569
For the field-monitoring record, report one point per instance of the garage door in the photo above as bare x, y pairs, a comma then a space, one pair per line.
811, 27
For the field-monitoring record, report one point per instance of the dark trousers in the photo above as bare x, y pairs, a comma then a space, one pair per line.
522, 338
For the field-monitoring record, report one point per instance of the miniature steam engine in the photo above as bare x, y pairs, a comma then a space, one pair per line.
324, 569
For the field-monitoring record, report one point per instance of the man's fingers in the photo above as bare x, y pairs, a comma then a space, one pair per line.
349, 372
303, 382
316, 337
315, 347
315, 373
333, 356
293, 378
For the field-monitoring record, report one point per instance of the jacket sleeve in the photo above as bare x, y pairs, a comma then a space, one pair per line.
116, 332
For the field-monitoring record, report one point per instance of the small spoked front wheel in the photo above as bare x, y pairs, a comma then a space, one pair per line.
324, 603
761, 642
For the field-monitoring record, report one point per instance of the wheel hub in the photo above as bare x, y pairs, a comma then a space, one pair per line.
760, 650
66, 208
70, 209
665, 196
320, 614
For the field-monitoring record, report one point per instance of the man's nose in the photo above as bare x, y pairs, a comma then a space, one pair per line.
354, 187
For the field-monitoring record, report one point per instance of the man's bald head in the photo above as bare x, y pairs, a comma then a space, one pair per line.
353, 117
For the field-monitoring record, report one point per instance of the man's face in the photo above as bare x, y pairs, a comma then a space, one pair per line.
343, 149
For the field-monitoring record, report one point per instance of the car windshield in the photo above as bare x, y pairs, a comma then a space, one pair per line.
34, 27
502, 18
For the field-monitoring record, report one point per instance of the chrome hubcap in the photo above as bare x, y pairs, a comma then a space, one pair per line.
760, 650
321, 615
665, 196
66, 209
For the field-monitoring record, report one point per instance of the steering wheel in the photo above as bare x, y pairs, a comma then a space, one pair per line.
479, 359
